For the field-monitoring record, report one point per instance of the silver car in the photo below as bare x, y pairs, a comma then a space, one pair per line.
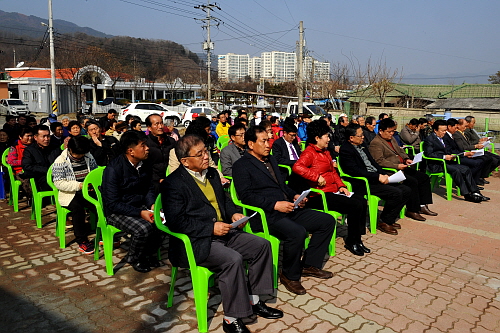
14, 107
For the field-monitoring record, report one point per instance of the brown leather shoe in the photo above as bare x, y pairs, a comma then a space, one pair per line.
415, 216
292, 286
396, 225
425, 210
316, 272
388, 229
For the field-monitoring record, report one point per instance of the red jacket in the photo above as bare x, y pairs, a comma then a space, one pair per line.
314, 162
15, 156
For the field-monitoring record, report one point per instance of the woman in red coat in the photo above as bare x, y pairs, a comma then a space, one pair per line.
315, 164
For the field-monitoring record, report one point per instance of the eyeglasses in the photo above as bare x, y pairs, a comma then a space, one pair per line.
239, 135
359, 136
201, 154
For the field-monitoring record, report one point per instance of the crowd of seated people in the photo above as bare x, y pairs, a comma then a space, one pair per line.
265, 162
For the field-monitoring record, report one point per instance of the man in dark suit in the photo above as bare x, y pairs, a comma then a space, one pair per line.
195, 205
233, 151
356, 160
434, 146
286, 150
259, 183
477, 165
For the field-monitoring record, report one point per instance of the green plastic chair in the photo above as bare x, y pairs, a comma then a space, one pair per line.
103, 229
61, 212
200, 276
223, 141
436, 177
14, 183
275, 242
36, 206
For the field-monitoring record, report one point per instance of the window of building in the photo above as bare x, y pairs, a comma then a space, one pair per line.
25, 96
34, 96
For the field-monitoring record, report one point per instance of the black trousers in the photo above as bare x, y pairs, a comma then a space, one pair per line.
395, 196
292, 231
462, 176
421, 192
475, 165
495, 160
226, 258
77, 207
354, 207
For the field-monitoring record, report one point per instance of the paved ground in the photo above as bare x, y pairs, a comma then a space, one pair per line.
442, 275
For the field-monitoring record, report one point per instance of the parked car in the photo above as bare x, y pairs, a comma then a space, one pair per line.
143, 110
14, 107
193, 112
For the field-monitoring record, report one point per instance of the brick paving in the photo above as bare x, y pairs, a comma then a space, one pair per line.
441, 275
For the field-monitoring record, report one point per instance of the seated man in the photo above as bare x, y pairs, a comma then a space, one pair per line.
195, 205
369, 130
388, 154
233, 151
434, 146
477, 165
259, 183
104, 148
286, 150
127, 194
38, 157
357, 161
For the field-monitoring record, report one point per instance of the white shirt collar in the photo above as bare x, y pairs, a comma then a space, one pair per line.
200, 176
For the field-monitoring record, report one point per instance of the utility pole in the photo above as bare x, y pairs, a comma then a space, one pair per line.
300, 68
208, 45
15, 63
52, 65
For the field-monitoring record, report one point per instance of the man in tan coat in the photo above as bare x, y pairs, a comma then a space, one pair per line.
388, 154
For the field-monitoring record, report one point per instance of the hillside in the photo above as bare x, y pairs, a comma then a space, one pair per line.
155, 60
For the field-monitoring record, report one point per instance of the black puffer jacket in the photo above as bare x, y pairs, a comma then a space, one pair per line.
158, 156
125, 189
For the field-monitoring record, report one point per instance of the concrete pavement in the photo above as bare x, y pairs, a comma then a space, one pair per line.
441, 275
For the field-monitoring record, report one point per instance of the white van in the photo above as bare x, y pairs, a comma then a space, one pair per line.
307, 108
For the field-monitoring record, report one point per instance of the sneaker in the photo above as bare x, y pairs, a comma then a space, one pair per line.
86, 247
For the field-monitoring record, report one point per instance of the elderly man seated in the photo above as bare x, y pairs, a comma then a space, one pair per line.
195, 205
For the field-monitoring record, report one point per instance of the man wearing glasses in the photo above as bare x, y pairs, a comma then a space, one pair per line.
356, 160
286, 149
388, 154
195, 204
233, 152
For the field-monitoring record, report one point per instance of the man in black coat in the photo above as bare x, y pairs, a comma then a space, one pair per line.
128, 197
355, 160
104, 148
286, 150
104, 120
39, 156
259, 183
434, 146
159, 148
195, 204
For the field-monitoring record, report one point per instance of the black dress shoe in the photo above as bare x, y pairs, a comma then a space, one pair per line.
355, 249
264, 311
364, 248
141, 266
153, 262
484, 181
473, 198
236, 326
480, 188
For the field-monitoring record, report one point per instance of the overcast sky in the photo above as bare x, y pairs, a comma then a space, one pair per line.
453, 38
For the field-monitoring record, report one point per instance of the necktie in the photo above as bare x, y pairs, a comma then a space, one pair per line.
294, 154
442, 141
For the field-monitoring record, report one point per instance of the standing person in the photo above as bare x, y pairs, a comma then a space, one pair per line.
38, 157
196, 206
358, 162
233, 151
15, 158
369, 130
128, 200
388, 154
315, 164
103, 148
104, 120
223, 126
259, 183
159, 145
410, 134
68, 173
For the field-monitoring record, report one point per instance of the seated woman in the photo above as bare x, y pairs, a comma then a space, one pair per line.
68, 173
315, 164
75, 129
15, 157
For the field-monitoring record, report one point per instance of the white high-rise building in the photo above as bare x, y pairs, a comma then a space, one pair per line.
274, 66
233, 67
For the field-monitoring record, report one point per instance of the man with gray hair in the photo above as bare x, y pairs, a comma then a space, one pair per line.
197, 206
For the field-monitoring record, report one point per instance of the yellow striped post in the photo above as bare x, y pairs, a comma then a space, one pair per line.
54, 107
